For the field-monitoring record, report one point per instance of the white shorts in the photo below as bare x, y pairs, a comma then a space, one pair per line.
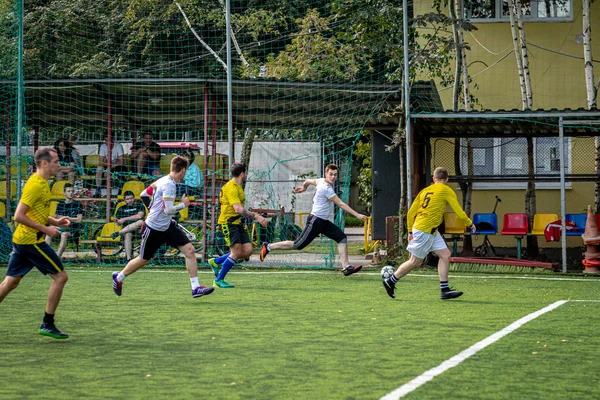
423, 243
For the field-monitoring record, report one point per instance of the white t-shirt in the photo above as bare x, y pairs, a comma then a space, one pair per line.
164, 188
322, 205
117, 151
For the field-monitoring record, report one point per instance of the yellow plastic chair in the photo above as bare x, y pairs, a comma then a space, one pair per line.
14, 167
107, 230
455, 227
183, 214
91, 163
58, 190
165, 162
540, 221
13, 190
2, 210
136, 187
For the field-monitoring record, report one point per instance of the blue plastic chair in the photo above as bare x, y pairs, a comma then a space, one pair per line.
489, 218
579, 220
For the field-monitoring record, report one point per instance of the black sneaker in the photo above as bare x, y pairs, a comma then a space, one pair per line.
52, 331
389, 287
450, 294
351, 269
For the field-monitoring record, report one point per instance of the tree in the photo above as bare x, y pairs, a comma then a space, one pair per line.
520, 48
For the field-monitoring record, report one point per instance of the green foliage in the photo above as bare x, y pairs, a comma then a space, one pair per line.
364, 183
352, 221
288, 337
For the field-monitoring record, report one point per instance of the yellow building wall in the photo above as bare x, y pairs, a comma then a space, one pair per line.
558, 80
578, 196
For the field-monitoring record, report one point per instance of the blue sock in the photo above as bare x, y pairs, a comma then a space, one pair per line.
225, 268
221, 260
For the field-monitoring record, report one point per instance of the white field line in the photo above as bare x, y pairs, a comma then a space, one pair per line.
462, 356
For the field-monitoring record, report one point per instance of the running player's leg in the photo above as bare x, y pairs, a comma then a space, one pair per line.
441, 250
18, 267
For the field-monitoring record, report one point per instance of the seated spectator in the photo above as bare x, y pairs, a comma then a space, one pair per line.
146, 156
117, 165
69, 159
192, 183
72, 209
131, 217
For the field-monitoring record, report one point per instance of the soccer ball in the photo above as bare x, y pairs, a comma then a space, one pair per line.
387, 271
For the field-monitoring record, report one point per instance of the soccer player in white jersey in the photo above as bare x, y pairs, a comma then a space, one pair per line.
161, 228
318, 220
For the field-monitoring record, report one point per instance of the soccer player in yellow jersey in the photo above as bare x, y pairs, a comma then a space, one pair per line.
29, 248
232, 200
423, 219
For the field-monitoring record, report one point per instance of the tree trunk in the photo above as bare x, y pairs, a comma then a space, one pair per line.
530, 200
455, 8
515, 38
525, 58
587, 55
403, 197
249, 136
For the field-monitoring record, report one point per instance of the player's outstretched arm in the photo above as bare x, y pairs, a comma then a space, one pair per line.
305, 185
338, 202
249, 214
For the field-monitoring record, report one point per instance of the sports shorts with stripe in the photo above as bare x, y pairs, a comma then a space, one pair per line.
235, 233
26, 256
315, 226
153, 239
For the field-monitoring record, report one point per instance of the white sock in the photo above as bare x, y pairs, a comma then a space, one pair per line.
120, 277
195, 283
269, 246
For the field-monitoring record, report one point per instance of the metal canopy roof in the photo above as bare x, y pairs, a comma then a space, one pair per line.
514, 123
180, 103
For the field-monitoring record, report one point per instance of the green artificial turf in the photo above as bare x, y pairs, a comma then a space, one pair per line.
310, 335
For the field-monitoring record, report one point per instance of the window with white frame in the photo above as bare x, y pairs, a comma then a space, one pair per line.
537, 10
508, 156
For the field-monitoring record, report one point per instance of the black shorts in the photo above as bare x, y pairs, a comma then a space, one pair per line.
315, 226
153, 239
235, 233
26, 256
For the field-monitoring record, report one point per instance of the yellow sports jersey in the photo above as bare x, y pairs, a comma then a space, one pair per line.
36, 195
427, 211
231, 193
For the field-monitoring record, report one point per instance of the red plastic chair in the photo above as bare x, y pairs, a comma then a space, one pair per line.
516, 225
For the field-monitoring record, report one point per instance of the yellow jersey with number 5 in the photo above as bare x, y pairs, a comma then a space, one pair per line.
427, 210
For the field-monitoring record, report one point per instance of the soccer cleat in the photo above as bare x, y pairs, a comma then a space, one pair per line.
222, 284
264, 251
202, 291
114, 235
117, 286
450, 294
214, 266
389, 287
351, 269
52, 331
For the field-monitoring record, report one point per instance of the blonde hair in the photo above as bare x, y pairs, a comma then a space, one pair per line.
440, 173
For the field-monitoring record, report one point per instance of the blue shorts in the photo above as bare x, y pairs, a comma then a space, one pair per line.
26, 256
